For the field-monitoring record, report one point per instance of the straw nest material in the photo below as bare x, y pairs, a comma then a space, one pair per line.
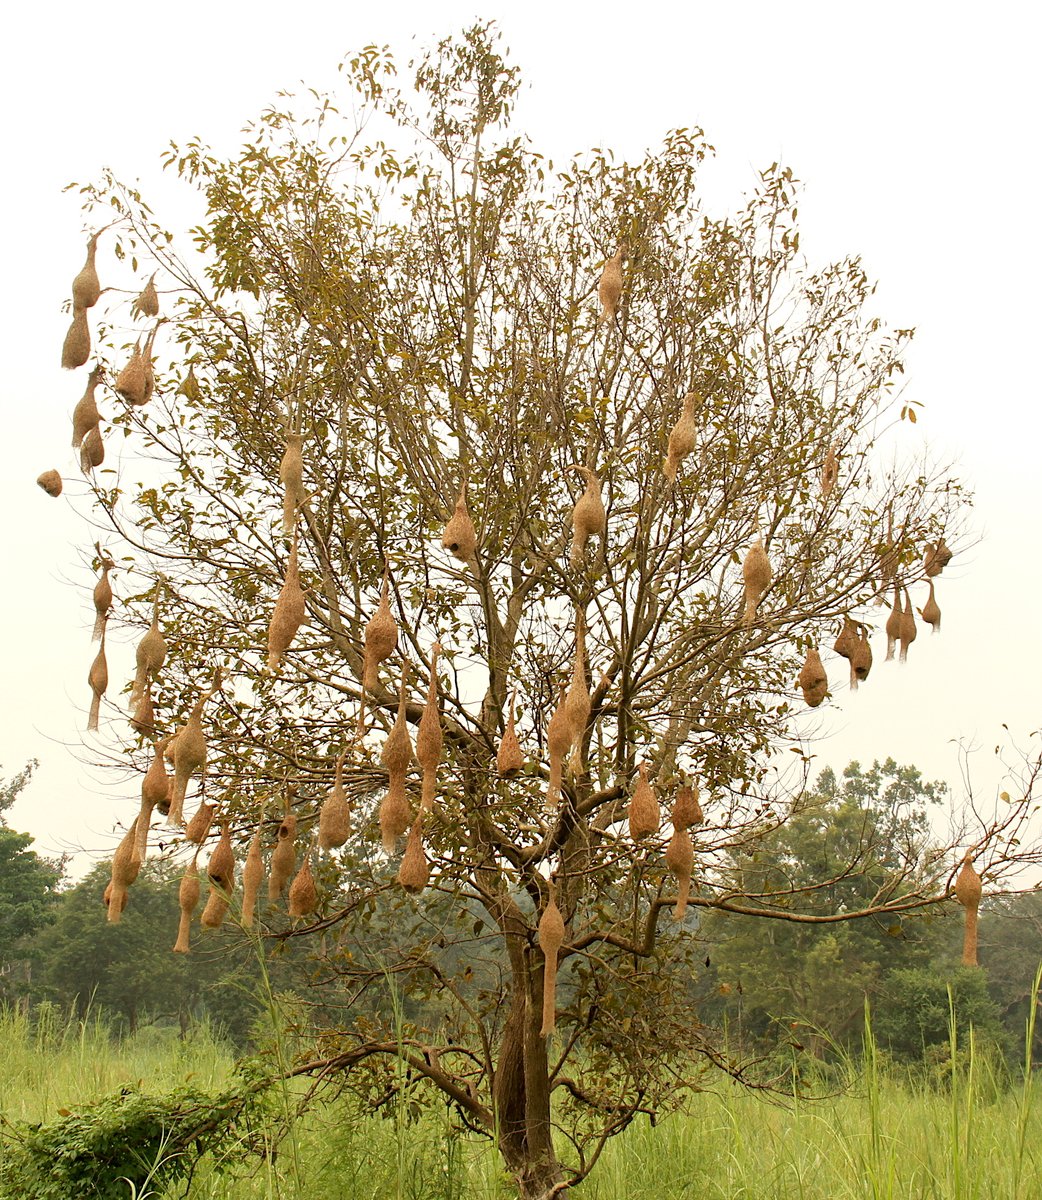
146, 303
188, 899
85, 415
334, 818
680, 859
284, 856
252, 878
98, 679
76, 347
687, 811
830, 471
551, 938
936, 557
92, 450
143, 718
609, 286
397, 755
931, 612
414, 871
132, 382
198, 828
188, 752
908, 632
644, 814
102, 595
155, 786
509, 759
291, 476
578, 696
51, 482
126, 863
893, 625
150, 654
429, 737
560, 736
589, 518
681, 437
395, 813
812, 680
968, 892
86, 287
460, 538
381, 637
756, 575
846, 643
860, 659
303, 895
288, 614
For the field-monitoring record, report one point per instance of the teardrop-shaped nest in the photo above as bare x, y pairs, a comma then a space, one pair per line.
146, 304
221, 868
334, 818
199, 826
51, 482
92, 451
812, 680
303, 895
968, 885
861, 659
686, 809
644, 815
756, 576
132, 382
381, 638
86, 287
931, 611
846, 643
460, 537
509, 759
415, 870
395, 814
76, 347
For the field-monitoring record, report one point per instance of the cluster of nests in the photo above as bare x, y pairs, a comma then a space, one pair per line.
186, 749
853, 640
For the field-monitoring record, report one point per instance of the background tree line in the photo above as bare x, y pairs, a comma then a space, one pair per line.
767, 983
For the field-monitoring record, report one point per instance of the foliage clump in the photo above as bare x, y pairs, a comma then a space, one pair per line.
123, 1143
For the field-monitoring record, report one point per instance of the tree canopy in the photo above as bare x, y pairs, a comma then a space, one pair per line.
27, 891
612, 467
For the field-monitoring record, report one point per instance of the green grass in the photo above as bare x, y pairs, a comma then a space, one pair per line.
974, 1135
50, 1062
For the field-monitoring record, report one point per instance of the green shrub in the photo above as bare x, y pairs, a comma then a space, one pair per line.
123, 1144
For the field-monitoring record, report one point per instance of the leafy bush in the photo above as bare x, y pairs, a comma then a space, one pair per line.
120, 1145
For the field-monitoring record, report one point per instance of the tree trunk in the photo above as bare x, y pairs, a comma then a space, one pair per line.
521, 1095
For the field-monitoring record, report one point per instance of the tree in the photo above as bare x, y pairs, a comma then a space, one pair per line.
127, 970
412, 293
847, 842
915, 1019
27, 891
1011, 955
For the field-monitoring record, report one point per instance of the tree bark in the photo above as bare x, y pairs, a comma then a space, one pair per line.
521, 1095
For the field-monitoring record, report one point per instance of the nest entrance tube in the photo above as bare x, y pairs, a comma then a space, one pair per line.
968, 892
551, 937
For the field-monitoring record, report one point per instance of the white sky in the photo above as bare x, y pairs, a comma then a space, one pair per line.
912, 125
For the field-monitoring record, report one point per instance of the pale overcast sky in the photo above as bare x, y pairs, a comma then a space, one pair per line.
913, 127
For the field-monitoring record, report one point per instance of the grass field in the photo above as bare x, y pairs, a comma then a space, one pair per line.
975, 1136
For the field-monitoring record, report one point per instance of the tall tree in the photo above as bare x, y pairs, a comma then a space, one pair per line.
127, 971
28, 885
411, 350
848, 842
